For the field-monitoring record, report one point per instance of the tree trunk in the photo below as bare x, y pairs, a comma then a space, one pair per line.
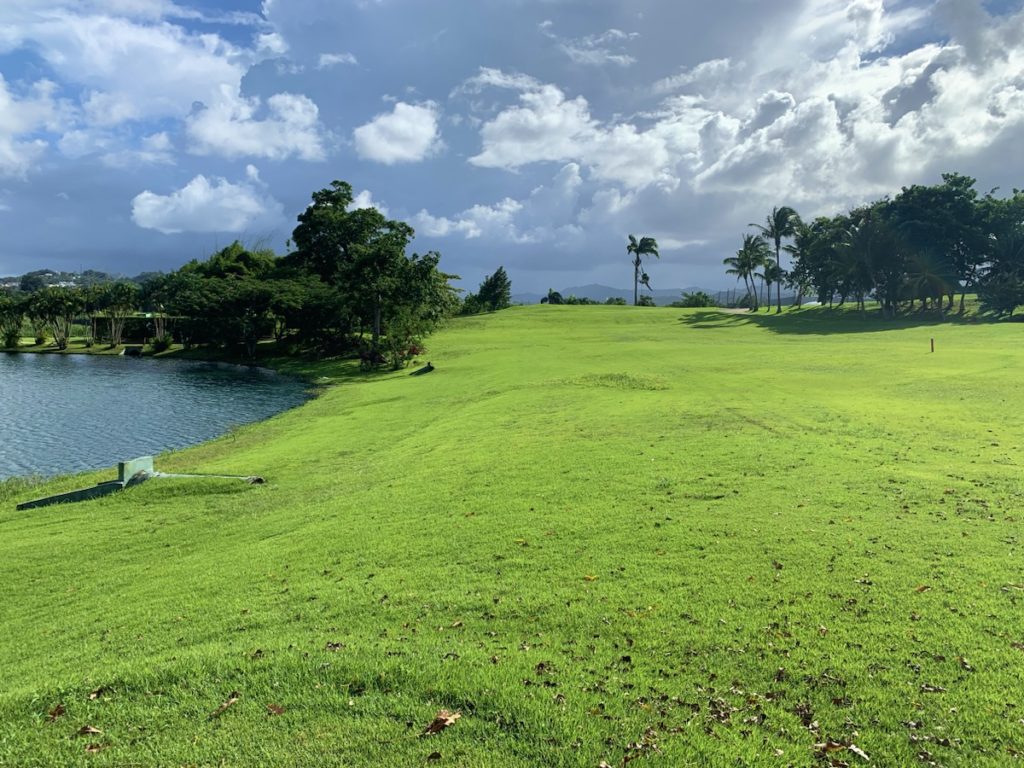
778, 285
376, 329
636, 281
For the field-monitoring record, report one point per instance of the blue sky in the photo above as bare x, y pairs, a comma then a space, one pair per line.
536, 134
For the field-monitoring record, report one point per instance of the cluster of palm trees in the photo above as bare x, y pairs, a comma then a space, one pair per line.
912, 252
756, 259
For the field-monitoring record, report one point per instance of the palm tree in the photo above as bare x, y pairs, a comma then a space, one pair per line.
799, 251
643, 247
753, 254
772, 273
781, 222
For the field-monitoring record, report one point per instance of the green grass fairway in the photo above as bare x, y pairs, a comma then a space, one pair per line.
656, 536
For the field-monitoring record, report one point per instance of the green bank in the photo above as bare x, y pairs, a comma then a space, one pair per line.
597, 533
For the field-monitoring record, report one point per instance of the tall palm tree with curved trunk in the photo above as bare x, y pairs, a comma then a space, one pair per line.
754, 253
780, 223
645, 246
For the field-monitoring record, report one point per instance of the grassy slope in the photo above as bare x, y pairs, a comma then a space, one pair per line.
588, 522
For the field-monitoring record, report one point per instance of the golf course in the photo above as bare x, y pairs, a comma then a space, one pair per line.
592, 536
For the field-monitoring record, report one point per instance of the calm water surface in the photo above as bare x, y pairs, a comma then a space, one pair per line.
68, 413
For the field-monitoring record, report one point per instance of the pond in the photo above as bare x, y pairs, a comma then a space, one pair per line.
70, 413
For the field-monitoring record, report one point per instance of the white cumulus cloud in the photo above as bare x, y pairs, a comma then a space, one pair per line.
207, 205
235, 127
20, 117
407, 134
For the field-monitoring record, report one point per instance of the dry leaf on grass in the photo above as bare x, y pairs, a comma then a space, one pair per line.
88, 730
231, 701
829, 746
859, 752
54, 713
94, 748
275, 709
442, 720
97, 692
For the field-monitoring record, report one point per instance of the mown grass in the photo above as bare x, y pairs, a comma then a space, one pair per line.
599, 533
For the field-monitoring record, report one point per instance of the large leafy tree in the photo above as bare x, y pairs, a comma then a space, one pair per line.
779, 224
118, 301
496, 291
57, 308
942, 226
361, 254
645, 246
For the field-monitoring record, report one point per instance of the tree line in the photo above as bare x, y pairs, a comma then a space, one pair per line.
913, 252
347, 286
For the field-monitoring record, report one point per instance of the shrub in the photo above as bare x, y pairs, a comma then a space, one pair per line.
162, 343
698, 299
615, 301
11, 339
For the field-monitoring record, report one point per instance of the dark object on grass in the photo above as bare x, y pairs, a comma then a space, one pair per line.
425, 369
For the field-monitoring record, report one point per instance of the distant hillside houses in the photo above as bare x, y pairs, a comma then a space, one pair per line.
49, 278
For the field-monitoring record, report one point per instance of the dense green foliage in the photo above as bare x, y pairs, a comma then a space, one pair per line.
695, 300
495, 293
915, 251
348, 278
635, 558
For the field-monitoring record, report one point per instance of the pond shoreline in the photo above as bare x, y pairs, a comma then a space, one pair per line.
58, 414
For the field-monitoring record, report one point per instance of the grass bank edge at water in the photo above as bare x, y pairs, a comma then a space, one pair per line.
596, 532
71, 413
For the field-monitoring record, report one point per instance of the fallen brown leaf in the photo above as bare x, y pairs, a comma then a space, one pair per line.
94, 748
443, 719
98, 692
231, 701
54, 713
434, 756
923, 588
88, 730
275, 709
829, 746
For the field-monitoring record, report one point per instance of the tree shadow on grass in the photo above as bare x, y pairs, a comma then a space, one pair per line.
820, 321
